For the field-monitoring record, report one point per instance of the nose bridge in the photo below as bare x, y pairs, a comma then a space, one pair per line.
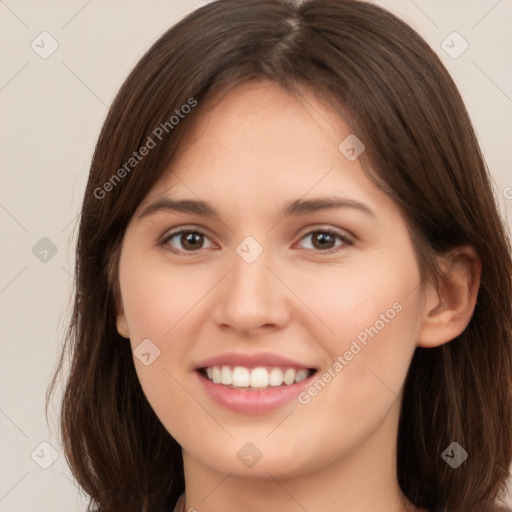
249, 282
250, 272
251, 294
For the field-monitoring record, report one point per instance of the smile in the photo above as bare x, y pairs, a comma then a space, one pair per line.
241, 377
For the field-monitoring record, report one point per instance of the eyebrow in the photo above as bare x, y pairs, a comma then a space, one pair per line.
294, 208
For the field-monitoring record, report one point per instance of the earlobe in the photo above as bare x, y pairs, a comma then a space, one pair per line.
121, 323
450, 305
122, 326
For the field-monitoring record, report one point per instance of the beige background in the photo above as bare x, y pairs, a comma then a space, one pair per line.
51, 111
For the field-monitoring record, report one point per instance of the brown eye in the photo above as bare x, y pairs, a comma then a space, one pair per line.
323, 240
191, 241
186, 241
326, 240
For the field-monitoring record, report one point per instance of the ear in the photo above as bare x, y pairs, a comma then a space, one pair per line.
450, 305
122, 324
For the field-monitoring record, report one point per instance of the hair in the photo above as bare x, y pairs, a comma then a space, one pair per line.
398, 98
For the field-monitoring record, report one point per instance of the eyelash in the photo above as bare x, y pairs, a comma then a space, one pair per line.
345, 239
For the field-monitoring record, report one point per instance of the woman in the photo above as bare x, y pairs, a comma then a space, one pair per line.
293, 287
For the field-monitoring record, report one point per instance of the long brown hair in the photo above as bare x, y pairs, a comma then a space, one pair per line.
398, 98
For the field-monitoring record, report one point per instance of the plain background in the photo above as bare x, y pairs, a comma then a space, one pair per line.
51, 111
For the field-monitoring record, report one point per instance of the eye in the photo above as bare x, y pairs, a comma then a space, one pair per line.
187, 240
324, 240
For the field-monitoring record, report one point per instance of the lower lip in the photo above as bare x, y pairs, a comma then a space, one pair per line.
252, 402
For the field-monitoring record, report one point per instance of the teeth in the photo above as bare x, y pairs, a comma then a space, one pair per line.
226, 377
301, 375
216, 375
276, 377
241, 376
289, 376
261, 377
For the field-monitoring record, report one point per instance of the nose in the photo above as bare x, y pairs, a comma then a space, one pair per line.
252, 298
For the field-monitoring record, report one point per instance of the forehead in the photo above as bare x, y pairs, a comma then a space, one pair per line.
259, 147
232, 117
259, 131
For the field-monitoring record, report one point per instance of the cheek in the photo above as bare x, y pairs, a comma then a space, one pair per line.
359, 297
156, 303
159, 303
156, 297
373, 314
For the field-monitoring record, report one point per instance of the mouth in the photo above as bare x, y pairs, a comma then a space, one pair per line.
253, 383
258, 378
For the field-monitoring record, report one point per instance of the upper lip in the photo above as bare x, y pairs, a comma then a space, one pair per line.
251, 361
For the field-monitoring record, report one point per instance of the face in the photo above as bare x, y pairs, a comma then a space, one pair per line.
270, 291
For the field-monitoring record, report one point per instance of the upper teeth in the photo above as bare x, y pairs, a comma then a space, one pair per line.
261, 377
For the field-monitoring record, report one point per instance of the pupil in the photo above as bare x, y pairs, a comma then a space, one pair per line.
190, 240
323, 238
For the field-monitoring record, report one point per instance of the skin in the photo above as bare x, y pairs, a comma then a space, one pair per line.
338, 451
